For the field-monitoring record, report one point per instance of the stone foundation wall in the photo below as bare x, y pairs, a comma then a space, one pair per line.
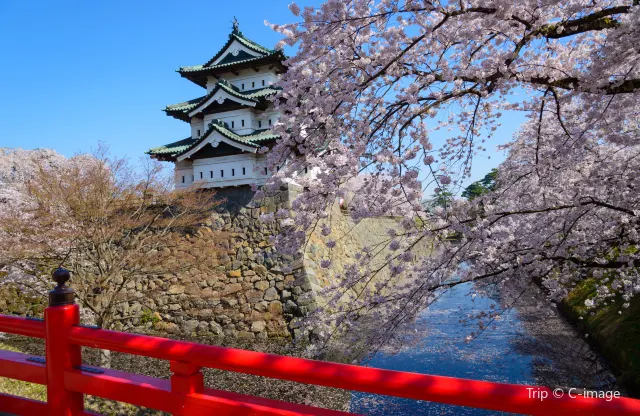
248, 295
350, 240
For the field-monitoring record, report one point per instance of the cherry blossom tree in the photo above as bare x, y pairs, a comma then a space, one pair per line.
109, 223
374, 83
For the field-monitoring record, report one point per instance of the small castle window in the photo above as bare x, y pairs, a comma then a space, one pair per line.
253, 84
198, 133
182, 178
269, 121
259, 123
221, 173
211, 173
242, 86
244, 171
242, 121
233, 172
233, 124
263, 83
306, 170
265, 171
278, 169
200, 175
192, 178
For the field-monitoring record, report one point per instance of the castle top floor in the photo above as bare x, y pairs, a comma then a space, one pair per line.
235, 61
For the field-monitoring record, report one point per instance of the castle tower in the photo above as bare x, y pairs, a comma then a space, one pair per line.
230, 123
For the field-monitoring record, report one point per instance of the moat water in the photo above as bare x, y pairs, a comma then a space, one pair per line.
527, 345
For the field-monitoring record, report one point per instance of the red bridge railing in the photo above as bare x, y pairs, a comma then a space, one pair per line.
67, 380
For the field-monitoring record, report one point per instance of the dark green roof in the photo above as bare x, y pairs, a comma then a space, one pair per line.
237, 35
181, 110
230, 62
252, 95
186, 106
172, 150
229, 65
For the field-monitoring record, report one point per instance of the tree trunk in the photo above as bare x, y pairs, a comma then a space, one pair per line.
105, 358
105, 355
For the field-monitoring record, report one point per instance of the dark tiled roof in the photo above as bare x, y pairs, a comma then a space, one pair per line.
181, 110
230, 61
229, 65
237, 35
185, 106
173, 150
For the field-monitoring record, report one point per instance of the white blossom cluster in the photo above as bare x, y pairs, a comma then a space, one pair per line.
374, 81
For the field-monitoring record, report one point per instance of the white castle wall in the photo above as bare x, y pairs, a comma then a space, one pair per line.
247, 79
243, 169
197, 125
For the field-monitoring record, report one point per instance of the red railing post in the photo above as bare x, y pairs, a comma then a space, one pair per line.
186, 379
61, 356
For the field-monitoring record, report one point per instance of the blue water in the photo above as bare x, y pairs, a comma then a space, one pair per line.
442, 350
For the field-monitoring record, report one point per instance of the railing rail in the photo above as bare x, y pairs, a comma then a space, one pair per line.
68, 381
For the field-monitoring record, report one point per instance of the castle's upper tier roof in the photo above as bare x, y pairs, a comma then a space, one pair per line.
238, 53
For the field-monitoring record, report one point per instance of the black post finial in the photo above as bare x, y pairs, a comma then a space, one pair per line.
61, 295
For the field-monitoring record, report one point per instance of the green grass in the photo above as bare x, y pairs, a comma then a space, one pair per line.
21, 388
616, 335
39, 392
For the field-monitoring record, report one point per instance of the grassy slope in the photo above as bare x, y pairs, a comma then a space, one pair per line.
21, 388
615, 335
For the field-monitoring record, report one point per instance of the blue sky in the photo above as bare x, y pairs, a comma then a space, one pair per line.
77, 72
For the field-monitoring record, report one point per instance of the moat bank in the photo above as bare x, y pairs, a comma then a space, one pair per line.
613, 331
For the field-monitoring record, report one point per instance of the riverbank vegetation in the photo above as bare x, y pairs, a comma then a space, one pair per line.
614, 331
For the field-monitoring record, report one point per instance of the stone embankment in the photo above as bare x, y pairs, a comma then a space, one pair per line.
247, 295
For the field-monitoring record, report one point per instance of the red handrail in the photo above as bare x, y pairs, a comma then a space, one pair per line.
184, 393
22, 326
456, 391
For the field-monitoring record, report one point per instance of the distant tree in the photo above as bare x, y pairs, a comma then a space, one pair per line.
108, 224
442, 197
481, 187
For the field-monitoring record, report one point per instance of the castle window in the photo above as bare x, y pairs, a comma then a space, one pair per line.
265, 171
263, 83
242, 121
221, 173
182, 178
192, 178
200, 175
244, 171
198, 133
305, 170
269, 121
253, 84
233, 124
211, 173
277, 168
259, 123
242, 86
233, 172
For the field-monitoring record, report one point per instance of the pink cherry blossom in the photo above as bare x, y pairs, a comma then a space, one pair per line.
374, 80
